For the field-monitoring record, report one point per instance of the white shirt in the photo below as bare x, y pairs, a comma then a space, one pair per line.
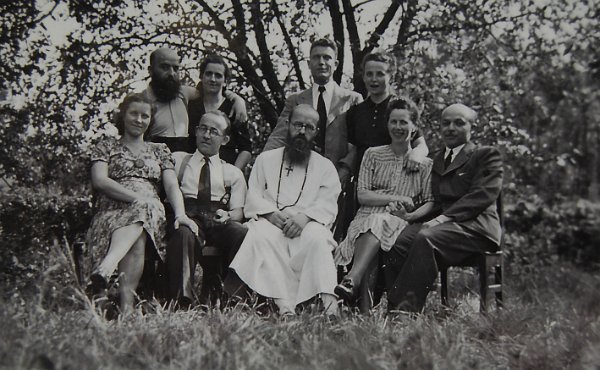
191, 176
455, 152
327, 94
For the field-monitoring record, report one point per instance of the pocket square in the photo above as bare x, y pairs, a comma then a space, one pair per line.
462, 174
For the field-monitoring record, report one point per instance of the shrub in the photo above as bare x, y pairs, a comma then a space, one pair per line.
32, 222
538, 234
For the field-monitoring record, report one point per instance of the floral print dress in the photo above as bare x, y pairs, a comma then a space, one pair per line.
138, 172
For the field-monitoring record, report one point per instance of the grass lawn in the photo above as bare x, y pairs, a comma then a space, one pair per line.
551, 320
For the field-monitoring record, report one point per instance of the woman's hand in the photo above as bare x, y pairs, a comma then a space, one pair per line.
405, 201
239, 106
397, 209
414, 161
184, 220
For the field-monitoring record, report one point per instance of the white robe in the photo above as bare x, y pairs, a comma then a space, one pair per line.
272, 264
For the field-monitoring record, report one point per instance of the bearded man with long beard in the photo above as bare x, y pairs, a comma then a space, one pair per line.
170, 103
291, 203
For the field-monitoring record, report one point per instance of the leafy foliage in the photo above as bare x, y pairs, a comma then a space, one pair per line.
530, 68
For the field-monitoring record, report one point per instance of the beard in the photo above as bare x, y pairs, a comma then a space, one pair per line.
298, 148
165, 89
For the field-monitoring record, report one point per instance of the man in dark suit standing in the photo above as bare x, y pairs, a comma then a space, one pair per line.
466, 182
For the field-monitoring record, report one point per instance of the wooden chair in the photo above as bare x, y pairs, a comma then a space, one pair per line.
489, 267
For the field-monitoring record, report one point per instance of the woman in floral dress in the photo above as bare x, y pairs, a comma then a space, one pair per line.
126, 174
383, 181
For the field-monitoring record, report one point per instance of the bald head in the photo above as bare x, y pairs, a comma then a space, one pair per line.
305, 110
457, 120
462, 110
163, 53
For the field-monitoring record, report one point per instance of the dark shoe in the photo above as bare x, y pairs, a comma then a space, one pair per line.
97, 285
345, 289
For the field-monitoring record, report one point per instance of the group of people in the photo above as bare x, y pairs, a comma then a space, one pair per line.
172, 184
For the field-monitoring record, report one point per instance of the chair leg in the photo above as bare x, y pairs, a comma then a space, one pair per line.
498, 280
483, 287
444, 285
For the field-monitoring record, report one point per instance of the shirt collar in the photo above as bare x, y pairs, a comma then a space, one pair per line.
213, 159
455, 151
383, 103
329, 86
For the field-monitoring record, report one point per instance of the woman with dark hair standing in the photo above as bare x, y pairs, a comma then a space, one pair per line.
130, 218
214, 74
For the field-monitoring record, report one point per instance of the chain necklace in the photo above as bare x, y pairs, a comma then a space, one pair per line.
279, 184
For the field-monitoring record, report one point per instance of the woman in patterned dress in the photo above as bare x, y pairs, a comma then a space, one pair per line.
126, 174
384, 181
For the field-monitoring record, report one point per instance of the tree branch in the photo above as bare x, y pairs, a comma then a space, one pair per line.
214, 16
337, 23
354, 38
289, 44
267, 67
373, 41
407, 17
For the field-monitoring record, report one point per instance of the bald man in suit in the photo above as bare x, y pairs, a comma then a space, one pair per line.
466, 182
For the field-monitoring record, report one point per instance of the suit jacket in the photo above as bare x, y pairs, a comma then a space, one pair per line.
336, 135
468, 189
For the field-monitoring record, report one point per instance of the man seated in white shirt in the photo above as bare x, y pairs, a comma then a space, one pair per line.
214, 193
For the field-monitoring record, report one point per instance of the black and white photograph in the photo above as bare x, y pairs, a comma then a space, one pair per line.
297, 184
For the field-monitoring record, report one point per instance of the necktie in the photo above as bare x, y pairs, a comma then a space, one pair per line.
448, 160
204, 183
322, 110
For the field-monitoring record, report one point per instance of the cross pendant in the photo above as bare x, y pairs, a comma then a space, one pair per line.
289, 169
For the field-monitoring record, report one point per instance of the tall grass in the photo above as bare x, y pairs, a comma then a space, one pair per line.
551, 320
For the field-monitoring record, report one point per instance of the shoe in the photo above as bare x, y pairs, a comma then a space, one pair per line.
287, 316
97, 285
345, 289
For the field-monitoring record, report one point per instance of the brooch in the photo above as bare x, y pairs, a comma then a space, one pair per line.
139, 163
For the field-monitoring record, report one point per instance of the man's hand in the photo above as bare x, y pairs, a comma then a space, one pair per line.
184, 220
222, 216
239, 106
436, 221
343, 174
414, 161
295, 224
277, 218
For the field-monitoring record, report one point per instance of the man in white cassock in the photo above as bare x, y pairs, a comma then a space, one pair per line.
291, 204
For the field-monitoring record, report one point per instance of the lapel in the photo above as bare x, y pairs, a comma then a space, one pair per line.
459, 161
461, 158
338, 101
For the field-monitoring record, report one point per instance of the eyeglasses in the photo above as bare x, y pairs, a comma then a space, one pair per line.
203, 129
458, 122
306, 126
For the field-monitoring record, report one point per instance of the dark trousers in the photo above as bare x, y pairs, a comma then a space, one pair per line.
411, 266
184, 251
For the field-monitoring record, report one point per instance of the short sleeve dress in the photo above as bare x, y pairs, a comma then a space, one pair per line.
384, 172
140, 173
